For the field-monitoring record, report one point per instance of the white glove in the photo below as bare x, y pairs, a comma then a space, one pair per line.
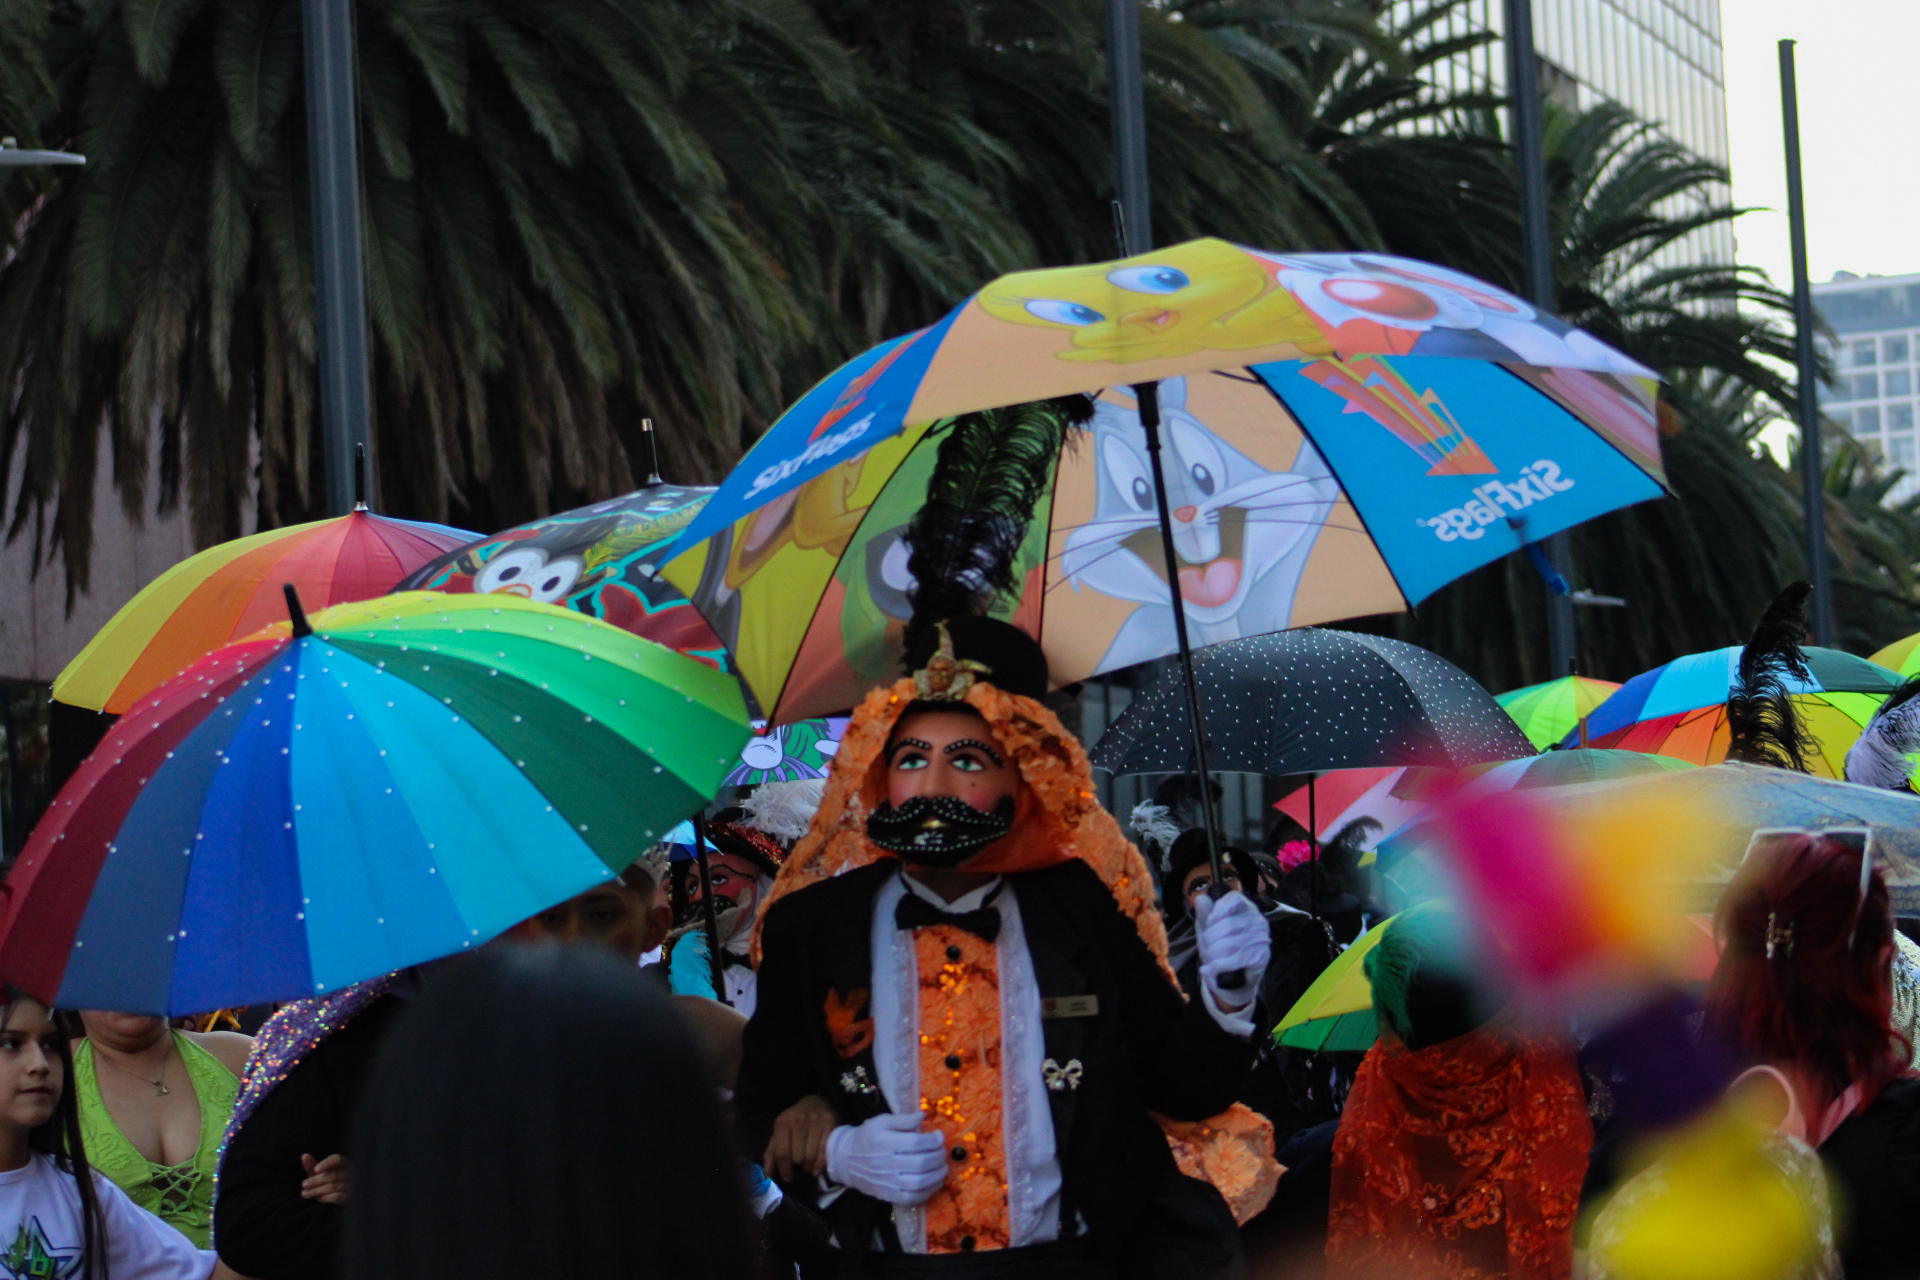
889, 1158
1233, 938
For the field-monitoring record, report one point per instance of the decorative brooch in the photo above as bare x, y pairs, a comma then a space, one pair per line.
946, 678
1060, 1079
1779, 937
855, 1081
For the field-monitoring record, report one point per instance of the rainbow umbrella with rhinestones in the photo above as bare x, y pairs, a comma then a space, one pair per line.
399, 780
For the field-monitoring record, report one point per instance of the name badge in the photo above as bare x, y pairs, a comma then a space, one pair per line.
1070, 1007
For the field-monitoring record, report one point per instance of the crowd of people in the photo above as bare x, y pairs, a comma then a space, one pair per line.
961, 1025
941, 1016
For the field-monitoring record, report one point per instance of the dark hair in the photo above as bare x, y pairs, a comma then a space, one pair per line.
59, 1137
592, 1148
1821, 1001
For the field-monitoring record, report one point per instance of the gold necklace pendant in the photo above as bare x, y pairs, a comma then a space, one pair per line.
160, 1089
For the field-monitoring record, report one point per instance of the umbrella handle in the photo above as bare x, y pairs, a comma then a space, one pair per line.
706, 907
1147, 398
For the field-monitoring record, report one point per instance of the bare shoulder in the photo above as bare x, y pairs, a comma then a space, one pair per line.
229, 1047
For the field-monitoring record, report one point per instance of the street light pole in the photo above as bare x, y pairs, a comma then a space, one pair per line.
1126, 105
333, 166
1523, 104
1813, 490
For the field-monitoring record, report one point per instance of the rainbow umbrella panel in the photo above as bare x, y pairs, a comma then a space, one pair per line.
1344, 434
234, 589
310, 808
1679, 709
1548, 712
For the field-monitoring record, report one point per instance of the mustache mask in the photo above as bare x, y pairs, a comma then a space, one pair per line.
938, 831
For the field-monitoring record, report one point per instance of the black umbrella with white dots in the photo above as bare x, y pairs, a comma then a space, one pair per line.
1308, 700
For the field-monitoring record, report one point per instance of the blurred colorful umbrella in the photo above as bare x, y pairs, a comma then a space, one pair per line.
1570, 768
234, 589
1679, 709
1548, 712
309, 808
1735, 800
1344, 433
601, 560
1335, 1013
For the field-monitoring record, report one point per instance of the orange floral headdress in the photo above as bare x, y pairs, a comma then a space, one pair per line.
1060, 815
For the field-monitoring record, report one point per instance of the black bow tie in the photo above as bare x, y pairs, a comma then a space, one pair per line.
734, 960
915, 912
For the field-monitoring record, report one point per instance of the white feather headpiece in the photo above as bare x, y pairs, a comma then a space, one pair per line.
1880, 757
1154, 824
784, 810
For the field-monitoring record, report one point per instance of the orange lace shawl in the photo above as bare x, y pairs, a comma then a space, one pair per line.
1462, 1160
1059, 817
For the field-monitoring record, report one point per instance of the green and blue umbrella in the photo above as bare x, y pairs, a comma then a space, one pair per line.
314, 806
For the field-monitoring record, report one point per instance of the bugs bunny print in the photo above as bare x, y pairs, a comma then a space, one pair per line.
1242, 533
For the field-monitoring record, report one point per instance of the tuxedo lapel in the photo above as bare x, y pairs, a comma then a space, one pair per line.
1055, 949
846, 963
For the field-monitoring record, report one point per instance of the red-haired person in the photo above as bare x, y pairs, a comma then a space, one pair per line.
1803, 994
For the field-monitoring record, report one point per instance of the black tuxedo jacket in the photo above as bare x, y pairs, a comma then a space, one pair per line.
1142, 1048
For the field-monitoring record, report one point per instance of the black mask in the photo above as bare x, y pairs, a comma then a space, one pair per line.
938, 831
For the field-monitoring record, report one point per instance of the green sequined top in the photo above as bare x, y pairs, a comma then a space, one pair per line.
181, 1194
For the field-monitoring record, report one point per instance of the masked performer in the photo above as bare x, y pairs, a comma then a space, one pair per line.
741, 866
966, 1019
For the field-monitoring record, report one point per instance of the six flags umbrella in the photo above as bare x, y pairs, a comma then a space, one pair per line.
1680, 709
1344, 433
307, 809
234, 589
1307, 700
601, 560
1548, 712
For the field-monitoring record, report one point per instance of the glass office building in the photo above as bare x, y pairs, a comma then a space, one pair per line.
1661, 59
1876, 322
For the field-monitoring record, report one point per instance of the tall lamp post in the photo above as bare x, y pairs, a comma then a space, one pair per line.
1813, 487
1523, 94
333, 166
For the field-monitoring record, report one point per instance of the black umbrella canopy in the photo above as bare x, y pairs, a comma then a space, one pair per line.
1306, 700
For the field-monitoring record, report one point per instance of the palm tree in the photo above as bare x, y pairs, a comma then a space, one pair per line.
577, 213
1718, 332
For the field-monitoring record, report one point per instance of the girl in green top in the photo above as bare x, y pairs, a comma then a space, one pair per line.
153, 1104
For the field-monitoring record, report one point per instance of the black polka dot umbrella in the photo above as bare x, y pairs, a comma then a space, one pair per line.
1311, 699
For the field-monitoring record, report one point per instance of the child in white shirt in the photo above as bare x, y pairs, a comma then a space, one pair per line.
58, 1219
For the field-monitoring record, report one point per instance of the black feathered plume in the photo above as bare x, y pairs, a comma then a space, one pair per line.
1763, 724
992, 471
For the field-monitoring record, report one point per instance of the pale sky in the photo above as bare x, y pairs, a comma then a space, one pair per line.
1856, 67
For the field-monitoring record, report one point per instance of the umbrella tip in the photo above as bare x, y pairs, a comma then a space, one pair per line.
298, 615
360, 476
653, 453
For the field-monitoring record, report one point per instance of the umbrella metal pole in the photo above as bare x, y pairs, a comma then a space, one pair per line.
1313, 848
706, 906
1147, 396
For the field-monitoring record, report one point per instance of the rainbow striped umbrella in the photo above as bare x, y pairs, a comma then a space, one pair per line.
234, 589
1902, 656
1679, 709
1548, 712
312, 807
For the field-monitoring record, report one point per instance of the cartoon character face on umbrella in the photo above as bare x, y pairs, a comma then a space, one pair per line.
1204, 296
1242, 532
